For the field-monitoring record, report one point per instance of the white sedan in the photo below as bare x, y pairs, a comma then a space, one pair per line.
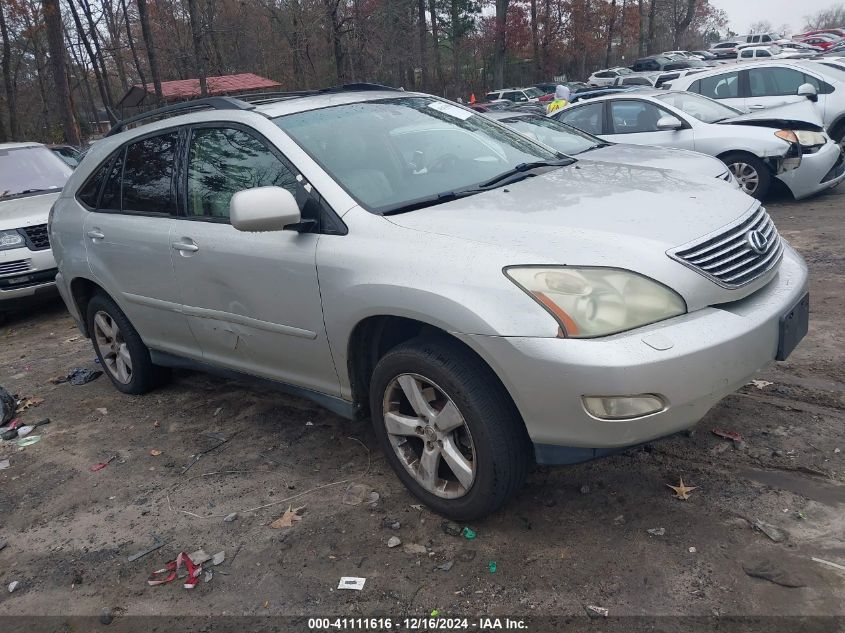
786, 143
607, 77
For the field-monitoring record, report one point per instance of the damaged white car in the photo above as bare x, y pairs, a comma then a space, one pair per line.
787, 143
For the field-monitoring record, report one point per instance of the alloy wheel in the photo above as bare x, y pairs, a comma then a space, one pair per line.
747, 177
429, 435
113, 349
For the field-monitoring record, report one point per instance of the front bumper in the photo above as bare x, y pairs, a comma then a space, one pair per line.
692, 361
25, 275
817, 172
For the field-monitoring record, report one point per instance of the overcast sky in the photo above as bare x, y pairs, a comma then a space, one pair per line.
743, 13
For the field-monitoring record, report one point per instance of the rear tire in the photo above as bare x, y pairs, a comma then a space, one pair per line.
123, 356
474, 468
751, 173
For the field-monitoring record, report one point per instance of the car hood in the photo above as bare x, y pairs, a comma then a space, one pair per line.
27, 211
596, 213
795, 115
658, 157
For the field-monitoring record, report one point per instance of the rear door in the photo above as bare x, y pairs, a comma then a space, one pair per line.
774, 85
252, 299
635, 121
126, 240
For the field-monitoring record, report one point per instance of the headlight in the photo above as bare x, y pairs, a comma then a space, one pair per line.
591, 302
810, 139
10, 239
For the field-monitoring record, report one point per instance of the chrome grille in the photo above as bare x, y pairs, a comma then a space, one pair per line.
727, 256
16, 267
37, 237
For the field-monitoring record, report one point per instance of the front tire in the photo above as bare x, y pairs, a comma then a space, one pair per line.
122, 354
448, 428
751, 173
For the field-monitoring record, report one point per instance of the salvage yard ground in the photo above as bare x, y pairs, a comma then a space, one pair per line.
575, 536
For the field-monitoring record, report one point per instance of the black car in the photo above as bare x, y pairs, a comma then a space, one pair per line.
658, 62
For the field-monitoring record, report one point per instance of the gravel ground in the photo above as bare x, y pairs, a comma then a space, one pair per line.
576, 536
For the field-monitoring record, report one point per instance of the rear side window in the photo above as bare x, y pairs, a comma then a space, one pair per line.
90, 192
111, 192
746, 53
719, 87
148, 182
223, 161
774, 82
587, 118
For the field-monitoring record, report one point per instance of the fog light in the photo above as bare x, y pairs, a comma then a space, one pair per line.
623, 407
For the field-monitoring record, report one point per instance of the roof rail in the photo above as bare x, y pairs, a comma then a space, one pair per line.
212, 103
266, 97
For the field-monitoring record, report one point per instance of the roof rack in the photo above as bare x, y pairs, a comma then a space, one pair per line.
208, 103
240, 102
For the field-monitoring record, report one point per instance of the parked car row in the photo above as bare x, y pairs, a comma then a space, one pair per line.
491, 289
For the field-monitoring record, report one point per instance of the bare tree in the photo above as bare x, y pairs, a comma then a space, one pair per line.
423, 31
683, 25
334, 22
652, 23
149, 44
826, 19
55, 41
435, 30
199, 54
500, 50
611, 22
641, 40
138, 68
8, 85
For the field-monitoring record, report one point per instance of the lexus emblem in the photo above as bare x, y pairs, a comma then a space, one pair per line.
757, 241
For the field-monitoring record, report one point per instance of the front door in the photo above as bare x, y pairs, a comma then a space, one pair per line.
252, 299
635, 121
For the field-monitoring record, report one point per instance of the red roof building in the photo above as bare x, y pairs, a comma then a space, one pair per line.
185, 89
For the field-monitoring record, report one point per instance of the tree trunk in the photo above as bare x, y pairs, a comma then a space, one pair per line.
641, 41
423, 30
611, 23
456, 35
199, 55
333, 22
501, 43
80, 30
438, 65
53, 18
683, 25
149, 44
8, 85
95, 40
535, 40
651, 26
131, 41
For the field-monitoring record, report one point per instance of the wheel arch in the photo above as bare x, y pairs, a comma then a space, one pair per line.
82, 290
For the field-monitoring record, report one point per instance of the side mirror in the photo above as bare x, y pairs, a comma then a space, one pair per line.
263, 209
669, 123
809, 91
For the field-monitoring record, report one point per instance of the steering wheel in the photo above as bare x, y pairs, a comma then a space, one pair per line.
445, 162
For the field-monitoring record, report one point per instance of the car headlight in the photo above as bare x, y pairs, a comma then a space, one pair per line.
10, 239
810, 139
592, 302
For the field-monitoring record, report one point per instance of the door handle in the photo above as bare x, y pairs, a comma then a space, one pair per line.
184, 246
757, 106
96, 234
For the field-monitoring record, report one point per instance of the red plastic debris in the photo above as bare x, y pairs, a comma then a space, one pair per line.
728, 435
102, 465
171, 570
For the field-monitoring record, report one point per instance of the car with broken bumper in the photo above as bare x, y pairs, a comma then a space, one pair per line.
487, 301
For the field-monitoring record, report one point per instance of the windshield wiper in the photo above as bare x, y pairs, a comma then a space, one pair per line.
522, 168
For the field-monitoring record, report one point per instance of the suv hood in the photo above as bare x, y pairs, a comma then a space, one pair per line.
597, 214
18, 213
797, 115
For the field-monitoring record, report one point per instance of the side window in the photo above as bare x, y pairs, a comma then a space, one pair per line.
773, 82
90, 191
111, 192
763, 54
766, 38
822, 87
587, 118
631, 117
746, 53
148, 183
718, 87
223, 161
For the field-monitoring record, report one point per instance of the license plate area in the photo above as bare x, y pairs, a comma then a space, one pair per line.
793, 327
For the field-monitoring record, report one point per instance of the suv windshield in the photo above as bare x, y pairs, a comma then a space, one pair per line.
30, 170
533, 92
701, 108
390, 153
555, 134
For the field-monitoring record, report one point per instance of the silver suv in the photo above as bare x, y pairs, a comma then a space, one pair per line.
487, 301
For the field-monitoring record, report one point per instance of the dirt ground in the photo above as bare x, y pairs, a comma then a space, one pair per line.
576, 536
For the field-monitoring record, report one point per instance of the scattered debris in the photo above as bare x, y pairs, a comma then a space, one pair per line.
413, 548
468, 533
199, 557
417, 507
351, 582
81, 376
761, 384
309, 423
7, 406
467, 556
657, 531
217, 411
208, 575
837, 450
4, 464
13, 586
451, 528
101, 465
102, 410
290, 517
106, 616
728, 435
394, 541
29, 440
218, 558
373, 500
230, 517
221, 440
800, 515
491, 566
356, 494
28, 402
445, 566
23, 431
155, 452
170, 571
392, 524
596, 612
619, 520
692, 550
828, 563
774, 533
779, 570
157, 543
681, 491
